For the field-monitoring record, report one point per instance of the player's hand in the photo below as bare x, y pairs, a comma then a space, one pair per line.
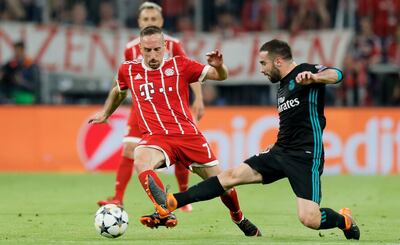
305, 78
99, 118
215, 59
198, 109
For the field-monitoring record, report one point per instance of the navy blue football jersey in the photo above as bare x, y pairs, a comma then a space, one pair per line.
301, 112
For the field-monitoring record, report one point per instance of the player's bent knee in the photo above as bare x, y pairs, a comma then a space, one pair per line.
310, 220
141, 164
128, 149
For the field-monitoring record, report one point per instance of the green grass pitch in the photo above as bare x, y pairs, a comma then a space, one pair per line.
59, 209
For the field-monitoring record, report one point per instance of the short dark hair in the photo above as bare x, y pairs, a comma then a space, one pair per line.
150, 30
277, 47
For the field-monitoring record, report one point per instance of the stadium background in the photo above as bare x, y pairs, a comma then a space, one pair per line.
54, 166
77, 46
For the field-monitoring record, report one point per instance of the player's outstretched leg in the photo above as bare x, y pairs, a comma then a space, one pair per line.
124, 174
205, 190
351, 230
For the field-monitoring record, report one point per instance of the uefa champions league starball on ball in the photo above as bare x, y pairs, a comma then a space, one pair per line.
111, 221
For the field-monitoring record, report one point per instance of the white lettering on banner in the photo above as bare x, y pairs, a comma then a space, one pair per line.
378, 139
240, 145
88, 52
369, 138
96, 53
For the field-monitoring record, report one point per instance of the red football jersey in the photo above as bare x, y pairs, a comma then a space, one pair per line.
132, 52
161, 97
173, 46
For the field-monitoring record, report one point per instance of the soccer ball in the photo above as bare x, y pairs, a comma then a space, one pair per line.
111, 221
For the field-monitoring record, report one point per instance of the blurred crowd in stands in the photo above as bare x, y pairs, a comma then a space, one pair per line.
371, 66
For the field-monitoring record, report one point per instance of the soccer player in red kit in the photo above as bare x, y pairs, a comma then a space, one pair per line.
159, 90
150, 14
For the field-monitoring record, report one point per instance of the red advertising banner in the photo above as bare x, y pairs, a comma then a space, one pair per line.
357, 141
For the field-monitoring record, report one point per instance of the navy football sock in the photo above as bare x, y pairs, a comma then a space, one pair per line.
331, 219
205, 190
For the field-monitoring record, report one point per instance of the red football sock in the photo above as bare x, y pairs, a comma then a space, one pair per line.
182, 176
143, 178
124, 174
230, 199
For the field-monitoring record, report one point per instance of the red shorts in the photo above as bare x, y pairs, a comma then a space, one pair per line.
190, 150
133, 133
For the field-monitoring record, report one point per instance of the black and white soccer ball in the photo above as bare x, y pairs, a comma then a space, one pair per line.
111, 221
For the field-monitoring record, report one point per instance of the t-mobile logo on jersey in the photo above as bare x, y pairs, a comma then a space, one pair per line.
147, 89
285, 105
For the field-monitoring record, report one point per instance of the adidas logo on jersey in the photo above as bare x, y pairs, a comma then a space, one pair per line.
138, 76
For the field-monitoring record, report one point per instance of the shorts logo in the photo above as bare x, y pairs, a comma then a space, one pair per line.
99, 145
169, 72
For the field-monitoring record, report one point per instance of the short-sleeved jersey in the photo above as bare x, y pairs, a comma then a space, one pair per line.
173, 48
301, 112
132, 52
161, 97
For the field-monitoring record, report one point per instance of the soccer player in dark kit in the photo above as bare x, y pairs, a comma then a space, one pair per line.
298, 153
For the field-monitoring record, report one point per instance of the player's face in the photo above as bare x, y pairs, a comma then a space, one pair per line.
152, 48
150, 17
268, 67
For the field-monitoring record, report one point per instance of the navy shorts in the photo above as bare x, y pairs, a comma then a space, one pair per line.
300, 167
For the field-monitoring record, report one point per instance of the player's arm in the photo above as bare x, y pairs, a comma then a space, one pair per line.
114, 99
198, 104
327, 76
217, 71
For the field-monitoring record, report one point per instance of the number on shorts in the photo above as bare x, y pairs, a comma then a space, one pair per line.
208, 149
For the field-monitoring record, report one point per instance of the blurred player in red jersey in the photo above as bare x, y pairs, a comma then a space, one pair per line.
150, 14
160, 95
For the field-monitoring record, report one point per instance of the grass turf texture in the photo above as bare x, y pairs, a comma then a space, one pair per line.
60, 208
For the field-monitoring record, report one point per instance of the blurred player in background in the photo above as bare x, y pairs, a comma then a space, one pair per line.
159, 90
298, 154
20, 78
150, 14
